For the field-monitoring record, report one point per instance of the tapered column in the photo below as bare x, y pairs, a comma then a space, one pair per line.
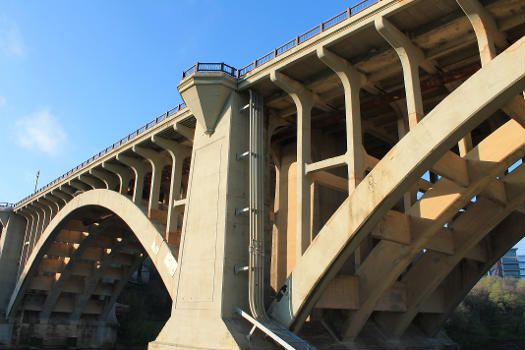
158, 162
79, 185
123, 173
411, 57
92, 181
30, 223
488, 37
184, 131
352, 82
52, 206
34, 230
139, 169
11, 242
484, 27
68, 190
43, 211
38, 227
105, 176
59, 201
178, 153
303, 99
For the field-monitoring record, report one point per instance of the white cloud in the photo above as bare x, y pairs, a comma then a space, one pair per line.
40, 131
11, 41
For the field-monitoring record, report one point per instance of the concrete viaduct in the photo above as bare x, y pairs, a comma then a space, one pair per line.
349, 188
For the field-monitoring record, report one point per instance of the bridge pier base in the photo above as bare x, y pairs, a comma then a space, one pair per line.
214, 239
59, 333
10, 243
6, 331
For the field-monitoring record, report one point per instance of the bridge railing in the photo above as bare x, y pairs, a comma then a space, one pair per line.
210, 67
329, 23
6, 205
217, 67
123, 140
221, 67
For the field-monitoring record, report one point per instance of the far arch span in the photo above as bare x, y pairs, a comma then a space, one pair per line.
146, 231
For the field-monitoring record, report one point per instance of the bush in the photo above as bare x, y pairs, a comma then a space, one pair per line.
492, 314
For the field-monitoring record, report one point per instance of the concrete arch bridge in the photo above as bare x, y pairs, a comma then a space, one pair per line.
345, 190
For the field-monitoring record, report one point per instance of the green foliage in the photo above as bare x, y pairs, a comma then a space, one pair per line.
149, 308
493, 313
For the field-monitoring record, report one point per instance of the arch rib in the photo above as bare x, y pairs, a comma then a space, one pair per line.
148, 234
471, 103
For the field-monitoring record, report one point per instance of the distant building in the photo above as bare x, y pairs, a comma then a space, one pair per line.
521, 262
510, 265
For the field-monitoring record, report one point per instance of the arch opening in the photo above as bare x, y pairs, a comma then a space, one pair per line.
69, 290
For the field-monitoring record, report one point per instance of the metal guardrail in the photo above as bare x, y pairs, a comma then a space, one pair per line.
123, 140
219, 67
210, 67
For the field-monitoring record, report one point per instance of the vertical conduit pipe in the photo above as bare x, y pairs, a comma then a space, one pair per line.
256, 210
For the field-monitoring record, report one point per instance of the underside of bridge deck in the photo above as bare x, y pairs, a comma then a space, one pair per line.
384, 182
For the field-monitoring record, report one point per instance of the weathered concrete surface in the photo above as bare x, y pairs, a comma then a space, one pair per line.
489, 89
88, 332
146, 232
207, 290
11, 241
353, 260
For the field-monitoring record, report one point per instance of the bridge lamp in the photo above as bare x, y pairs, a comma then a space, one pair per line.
98, 265
57, 276
75, 246
119, 239
85, 234
66, 260
108, 250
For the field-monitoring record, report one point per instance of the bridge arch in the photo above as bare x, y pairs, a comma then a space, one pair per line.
146, 232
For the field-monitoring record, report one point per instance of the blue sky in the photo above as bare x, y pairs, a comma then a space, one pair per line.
77, 76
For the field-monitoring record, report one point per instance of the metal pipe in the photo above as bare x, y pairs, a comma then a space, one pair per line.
256, 210
266, 330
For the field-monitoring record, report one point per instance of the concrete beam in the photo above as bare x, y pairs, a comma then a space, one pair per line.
429, 272
435, 208
178, 153
411, 57
157, 161
139, 169
58, 200
466, 274
52, 297
352, 81
105, 176
446, 124
124, 174
92, 181
91, 283
303, 99
184, 131
79, 185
